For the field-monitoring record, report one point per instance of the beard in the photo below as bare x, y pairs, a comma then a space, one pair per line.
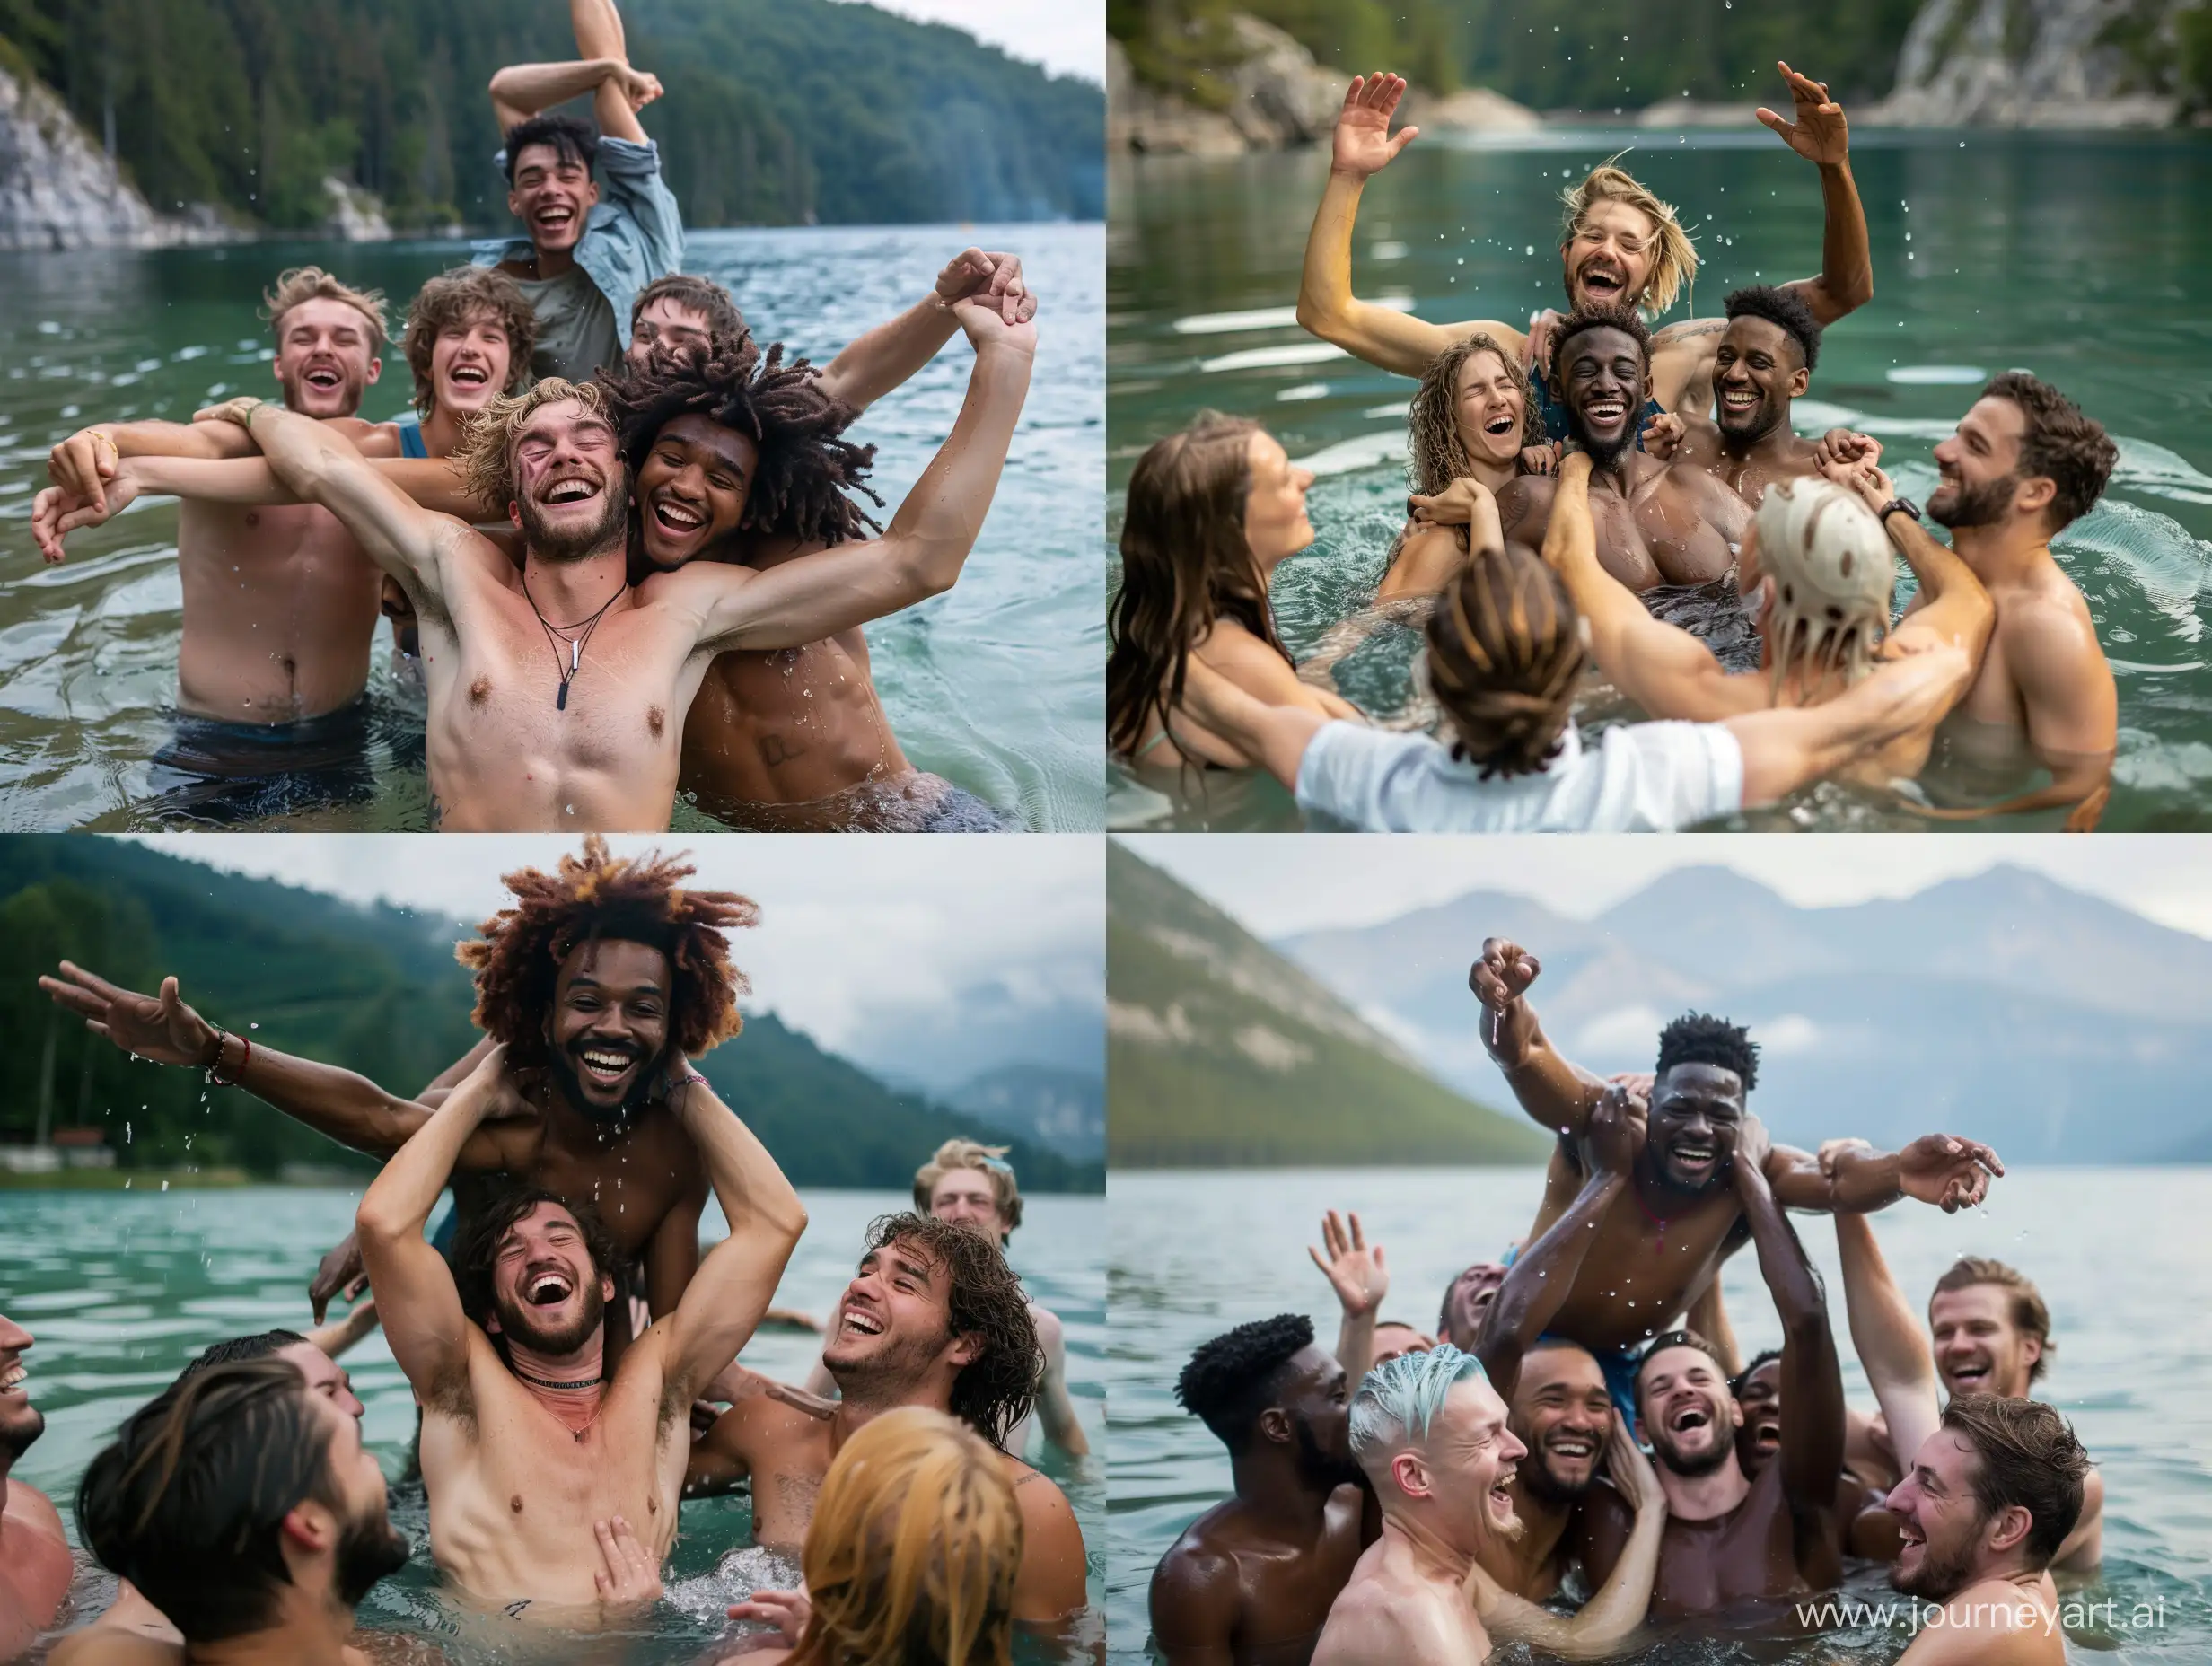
613, 526
1317, 1466
570, 1081
1604, 455
1538, 1481
352, 384
1664, 1451
1975, 506
1756, 423
18, 1434
519, 1323
369, 1548
1940, 1578
887, 1372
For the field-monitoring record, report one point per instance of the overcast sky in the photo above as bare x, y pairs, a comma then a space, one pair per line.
1275, 884
850, 927
1068, 37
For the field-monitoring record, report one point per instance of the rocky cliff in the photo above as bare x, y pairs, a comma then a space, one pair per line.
2036, 63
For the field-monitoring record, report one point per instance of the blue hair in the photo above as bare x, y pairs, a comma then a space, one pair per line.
1399, 1399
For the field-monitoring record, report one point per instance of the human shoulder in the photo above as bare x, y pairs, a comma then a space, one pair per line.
1523, 497
28, 1507
371, 439
1378, 1619
1991, 1623
1050, 1334
1044, 1506
97, 1646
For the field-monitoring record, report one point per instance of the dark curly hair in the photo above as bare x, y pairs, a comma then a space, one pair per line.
595, 898
261, 1344
984, 1298
1785, 309
1228, 1381
1700, 1038
806, 465
476, 1251
459, 297
1624, 319
571, 139
1764, 1357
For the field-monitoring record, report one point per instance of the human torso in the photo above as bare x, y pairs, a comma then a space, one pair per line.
789, 727
1750, 474
1995, 698
1646, 1261
1748, 1555
1285, 1586
35, 1566
576, 332
1391, 1611
632, 1178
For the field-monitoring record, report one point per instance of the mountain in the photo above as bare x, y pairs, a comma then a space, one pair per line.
1222, 1053
1065, 1109
2004, 1005
2045, 63
375, 989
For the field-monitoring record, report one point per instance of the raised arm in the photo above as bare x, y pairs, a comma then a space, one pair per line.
1811, 1455
1557, 1094
1893, 1349
1822, 136
1389, 339
601, 68
1946, 1169
1355, 1271
874, 364
736, 1282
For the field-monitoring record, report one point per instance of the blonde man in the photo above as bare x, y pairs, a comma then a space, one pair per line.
1619, 244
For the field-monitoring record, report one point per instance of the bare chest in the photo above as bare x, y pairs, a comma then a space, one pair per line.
1640, 1273
1745, 1555
789, 726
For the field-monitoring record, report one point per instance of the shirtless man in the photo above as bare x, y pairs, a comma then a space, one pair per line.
935, 1318
1664, 1243
1430, 1434
509, 1497
1620, 246
35, 1564
1731, 1539
1250, 1583
1992, 1496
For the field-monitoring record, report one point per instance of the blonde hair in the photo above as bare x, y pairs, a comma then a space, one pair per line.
987, 1160
1831, 574
1674, 263
485, 458
311, 283
914, 1549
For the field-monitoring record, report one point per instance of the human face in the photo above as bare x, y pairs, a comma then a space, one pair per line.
671, 327
1314, 1398
1473, 1456
964, 1196
470, 363
1941, 1524
1604, 384
1491, 409
323, 1375
1608, 260
692, 489
1274, 523
1469, 1299
545, 1291
1696, 1113
1394, 1340
552, 196
1978, 1350
1977, 467
368, 1545
21, 1421
894, 1322
609, 1027
1756, 373
1562, 1411
326, 356
572, 496
1761, 1403
1685, 1413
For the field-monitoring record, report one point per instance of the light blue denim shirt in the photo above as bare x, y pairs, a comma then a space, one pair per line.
634, 235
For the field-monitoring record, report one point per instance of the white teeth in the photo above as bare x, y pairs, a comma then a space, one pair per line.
12, 1379
865, 1325
678, 515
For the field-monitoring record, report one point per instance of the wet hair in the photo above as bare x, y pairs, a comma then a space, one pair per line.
1506, 654
2028, 1457
1676, 1339
1700, 1038
1580, 322
457, 297
261, 1344
990, 1161
485, 458
1399, 1399
806, 464
599, 898
724, 322
1736, 1386
1185, 562
188, 1503
2058, 443
2030, 1316
1674, 261
1437, 450
476, 1252
1232, 1378
914, 1549
302, 284
572, 140
984, 1298
1785, 309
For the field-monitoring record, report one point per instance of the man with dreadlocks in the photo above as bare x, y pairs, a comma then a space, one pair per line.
935, 1318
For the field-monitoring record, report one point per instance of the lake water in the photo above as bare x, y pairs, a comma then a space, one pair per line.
994, 686
2085, 257
122, 1289
2120, 1254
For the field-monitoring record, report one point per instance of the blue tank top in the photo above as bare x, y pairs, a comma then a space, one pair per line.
410, 428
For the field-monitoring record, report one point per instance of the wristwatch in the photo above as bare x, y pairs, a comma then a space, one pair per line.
1897, 506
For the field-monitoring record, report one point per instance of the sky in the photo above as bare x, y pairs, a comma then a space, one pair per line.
855, 935
1068, 37
1275, 885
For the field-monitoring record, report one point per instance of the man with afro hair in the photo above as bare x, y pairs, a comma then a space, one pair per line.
1660, 1245
1253, 1578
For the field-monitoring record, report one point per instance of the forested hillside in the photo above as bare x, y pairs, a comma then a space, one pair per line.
775, 110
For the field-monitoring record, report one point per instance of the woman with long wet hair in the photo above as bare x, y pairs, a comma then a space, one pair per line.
1213, 511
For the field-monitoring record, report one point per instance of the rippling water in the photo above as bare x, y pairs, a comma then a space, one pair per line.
994, 686
2120, 1254
122, 1289
2085, 257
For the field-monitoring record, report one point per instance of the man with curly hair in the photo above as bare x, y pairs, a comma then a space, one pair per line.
934, 1317
1662, 1241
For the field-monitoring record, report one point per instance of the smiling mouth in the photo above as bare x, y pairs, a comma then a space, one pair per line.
1971, 1376
14, 1378
323, 376
1500, 424
1501, 1493
1740, 398
557, 217
1766, 1436
1604, 281
1693, 1418
1576, 1447
547, 1289
676, 517
575, 489
606, 1064
470, 375
863, 1324
1605, 413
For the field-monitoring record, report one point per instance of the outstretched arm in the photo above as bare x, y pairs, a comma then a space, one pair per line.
1893, 1349
887, 356
1946, 1169
1273, 737
1788, 747
1557, 1094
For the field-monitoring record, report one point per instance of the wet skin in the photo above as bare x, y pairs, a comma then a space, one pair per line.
1562, 1411
35, 1564
1750, 444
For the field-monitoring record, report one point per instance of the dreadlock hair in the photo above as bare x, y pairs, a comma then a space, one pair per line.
1624, 319
1764, 1357
594, 898
1785, 309
1700, 1038
1229, 1380
984, 1298
260, 1346
1504, 653
806, 464
1436, 448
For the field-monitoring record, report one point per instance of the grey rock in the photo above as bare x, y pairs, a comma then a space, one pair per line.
2029, 64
